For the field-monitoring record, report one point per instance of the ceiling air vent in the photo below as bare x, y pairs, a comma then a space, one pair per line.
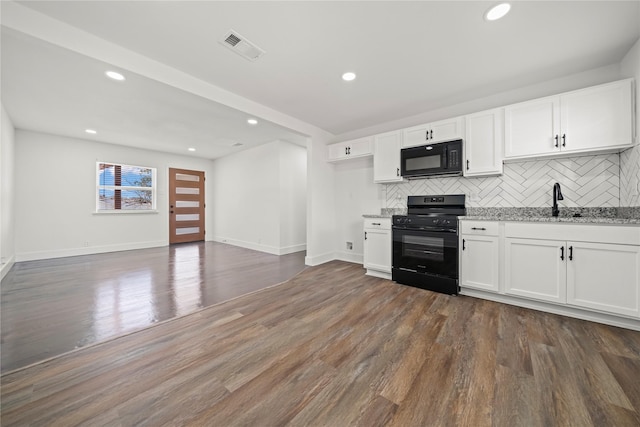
241, 46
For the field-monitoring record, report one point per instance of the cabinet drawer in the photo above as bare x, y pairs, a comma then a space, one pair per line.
378, 223
481, 228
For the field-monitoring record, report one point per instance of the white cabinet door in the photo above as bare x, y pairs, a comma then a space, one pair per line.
604, 277
536, 269
386, 157
444, 130
597, 117
360, 147
350, 149
483, 143
377, 250
338, 151
416, 135
531, 128
479, 257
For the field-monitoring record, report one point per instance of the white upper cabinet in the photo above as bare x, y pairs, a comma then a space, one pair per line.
598, 118
386, 157
483, 142
350, 149
444, 130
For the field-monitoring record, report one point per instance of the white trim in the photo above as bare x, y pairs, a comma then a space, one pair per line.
380, 274
607, 319
260, 247
293, 248
5, 267
125, 211
319, 259
350, 257
32, 256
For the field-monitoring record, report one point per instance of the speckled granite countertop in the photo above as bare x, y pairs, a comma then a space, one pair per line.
586, 215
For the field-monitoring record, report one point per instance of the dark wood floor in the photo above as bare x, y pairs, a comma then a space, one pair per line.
333, 347
53, 306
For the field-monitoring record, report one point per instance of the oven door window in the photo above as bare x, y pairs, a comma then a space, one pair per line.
426, 251
423, 247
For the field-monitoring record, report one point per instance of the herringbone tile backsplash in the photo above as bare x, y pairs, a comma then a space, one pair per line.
630, 177
589, 181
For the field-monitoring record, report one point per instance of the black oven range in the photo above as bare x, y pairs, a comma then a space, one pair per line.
425, 243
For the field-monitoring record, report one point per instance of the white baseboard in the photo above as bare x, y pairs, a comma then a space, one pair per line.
90, 250
260, 247
6, 266
607, 319
350, 257
319, 259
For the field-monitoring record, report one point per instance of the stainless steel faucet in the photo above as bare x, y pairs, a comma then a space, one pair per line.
557, 195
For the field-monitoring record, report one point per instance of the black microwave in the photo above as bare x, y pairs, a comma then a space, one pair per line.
444, 158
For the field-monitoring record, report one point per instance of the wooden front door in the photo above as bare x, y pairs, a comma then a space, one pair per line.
186, 205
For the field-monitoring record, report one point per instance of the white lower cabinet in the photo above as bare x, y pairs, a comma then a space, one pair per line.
604, 277
479, 256
588, 266
590, 271
377, 247
535, 269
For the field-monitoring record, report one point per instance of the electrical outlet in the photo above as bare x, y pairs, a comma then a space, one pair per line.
349, 246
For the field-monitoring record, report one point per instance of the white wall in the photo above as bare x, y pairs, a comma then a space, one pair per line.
7, 199
293, 196
260, 198
355, 195
321, 207
630, 159
55, 184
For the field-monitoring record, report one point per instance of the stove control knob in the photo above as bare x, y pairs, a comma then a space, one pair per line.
408, 220
436, 221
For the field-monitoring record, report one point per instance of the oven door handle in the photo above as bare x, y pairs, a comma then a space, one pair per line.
437, 230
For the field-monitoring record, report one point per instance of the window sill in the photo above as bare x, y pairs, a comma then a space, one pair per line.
126, 212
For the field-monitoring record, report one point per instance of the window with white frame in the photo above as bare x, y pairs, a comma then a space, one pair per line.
122, 188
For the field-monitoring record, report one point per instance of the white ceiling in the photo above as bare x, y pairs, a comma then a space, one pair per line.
411, 57
50, 89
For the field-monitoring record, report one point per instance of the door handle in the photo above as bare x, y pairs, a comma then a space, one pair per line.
431, 136
556, 138
570, 253
365, 235
479, 228
397, 171
467, 164
562, 253
463, 246
564, 140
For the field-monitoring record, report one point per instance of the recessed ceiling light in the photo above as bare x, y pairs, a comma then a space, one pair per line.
497, 11
191, 149
348, 76
114, 75
91, 131
252, 121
